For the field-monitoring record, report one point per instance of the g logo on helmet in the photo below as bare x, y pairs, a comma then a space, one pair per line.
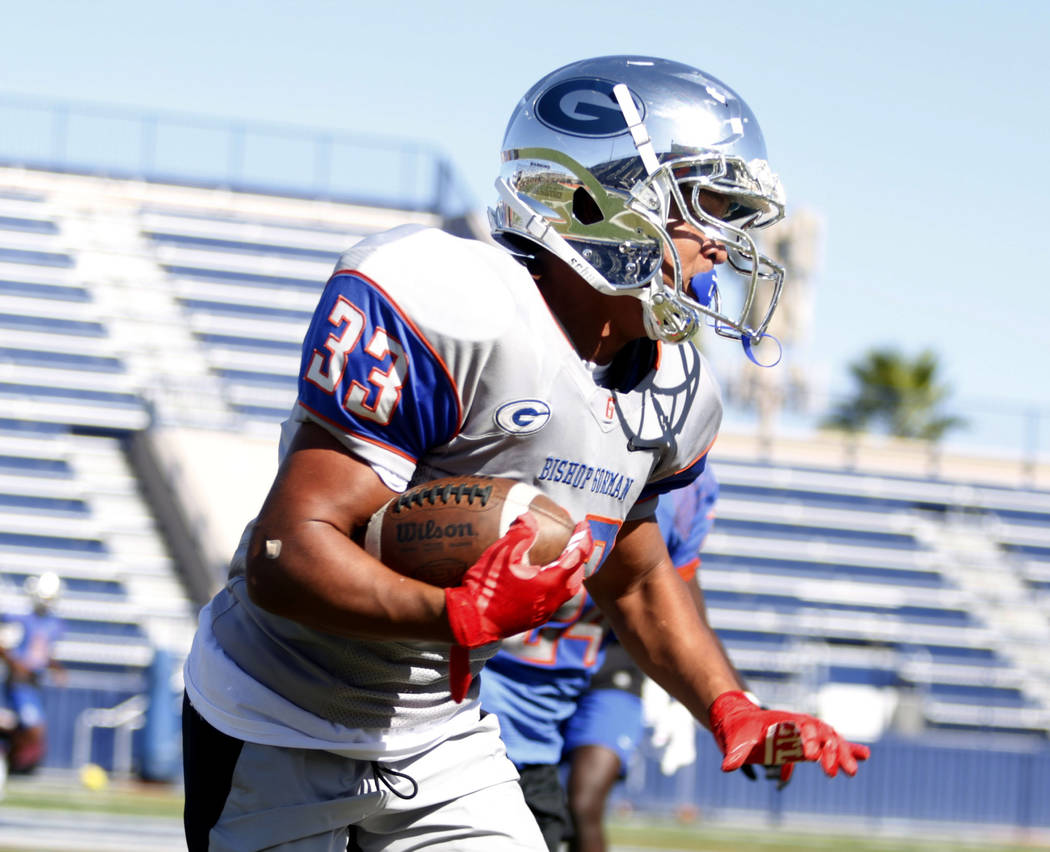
522, 416
584, 106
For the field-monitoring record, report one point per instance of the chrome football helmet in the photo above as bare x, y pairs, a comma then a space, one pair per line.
598, 154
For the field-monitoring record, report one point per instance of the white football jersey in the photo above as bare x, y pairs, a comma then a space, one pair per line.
431, 356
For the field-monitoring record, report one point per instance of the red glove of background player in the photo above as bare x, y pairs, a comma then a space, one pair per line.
748, 734
502, 594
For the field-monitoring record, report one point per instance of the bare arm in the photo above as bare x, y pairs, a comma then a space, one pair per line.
320, 577
659, 622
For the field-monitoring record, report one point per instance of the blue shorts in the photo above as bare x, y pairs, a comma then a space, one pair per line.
606, 717
531, 706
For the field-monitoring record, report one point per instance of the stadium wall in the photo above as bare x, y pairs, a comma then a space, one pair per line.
866, 453
973, 782
961, 783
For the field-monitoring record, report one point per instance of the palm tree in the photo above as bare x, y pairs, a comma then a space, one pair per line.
898, 393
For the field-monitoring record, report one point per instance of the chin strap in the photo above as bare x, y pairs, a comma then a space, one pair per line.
639, 134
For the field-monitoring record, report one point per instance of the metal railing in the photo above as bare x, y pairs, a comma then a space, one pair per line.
124, 719
1014, 433
257, 156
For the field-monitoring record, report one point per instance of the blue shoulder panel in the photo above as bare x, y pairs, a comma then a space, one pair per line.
368, 370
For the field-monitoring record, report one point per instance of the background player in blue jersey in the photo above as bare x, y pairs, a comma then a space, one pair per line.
608, 724
328, 696
26, 663
592, 723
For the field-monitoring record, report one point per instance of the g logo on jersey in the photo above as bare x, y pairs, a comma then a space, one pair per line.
584, 106
522, 416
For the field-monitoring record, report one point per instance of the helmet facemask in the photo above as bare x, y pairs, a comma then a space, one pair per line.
677, 185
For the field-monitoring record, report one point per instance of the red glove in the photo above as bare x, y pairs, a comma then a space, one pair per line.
502, 594
748, 734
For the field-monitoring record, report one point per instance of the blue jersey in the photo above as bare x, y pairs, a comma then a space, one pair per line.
535, 680
685, 517
40, 631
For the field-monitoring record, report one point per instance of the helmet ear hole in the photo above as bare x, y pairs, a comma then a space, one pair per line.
585, 209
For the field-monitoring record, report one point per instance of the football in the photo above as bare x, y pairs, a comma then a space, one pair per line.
436, 530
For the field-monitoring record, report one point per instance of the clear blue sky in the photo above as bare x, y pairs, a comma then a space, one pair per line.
918, 129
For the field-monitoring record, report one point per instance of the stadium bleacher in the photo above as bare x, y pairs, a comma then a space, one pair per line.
859, 575
125, 306
246, 290
71, 504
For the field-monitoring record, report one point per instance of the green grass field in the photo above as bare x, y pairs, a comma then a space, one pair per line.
134, 800
700, 837
64, 798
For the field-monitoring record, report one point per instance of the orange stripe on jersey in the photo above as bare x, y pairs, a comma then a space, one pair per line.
706, 450
688, 570
359, 436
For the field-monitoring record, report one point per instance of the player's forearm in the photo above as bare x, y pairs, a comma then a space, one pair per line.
658, 621
303, 564
660, 628
320, 578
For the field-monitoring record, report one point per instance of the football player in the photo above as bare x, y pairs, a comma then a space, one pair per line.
325, 691
26, 665
585, 710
